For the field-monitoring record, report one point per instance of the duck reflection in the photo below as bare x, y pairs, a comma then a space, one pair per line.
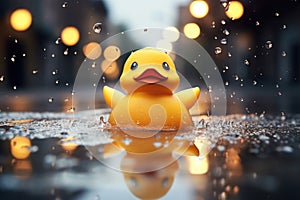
20, 150
151, 160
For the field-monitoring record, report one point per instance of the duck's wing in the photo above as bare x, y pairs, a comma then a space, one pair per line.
189, 96
191, 150
112, 96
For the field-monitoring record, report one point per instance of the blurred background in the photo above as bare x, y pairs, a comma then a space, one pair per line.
255, 45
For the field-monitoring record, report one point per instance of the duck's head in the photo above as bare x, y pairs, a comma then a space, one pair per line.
149, 66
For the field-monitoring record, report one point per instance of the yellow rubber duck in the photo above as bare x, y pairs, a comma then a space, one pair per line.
149, 77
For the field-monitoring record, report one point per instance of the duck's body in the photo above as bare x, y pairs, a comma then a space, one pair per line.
150, 102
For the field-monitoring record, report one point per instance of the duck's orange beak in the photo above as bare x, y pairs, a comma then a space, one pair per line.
150, 76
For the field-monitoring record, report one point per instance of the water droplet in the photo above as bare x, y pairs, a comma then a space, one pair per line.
254, 82
284, 26
229, 54
16, 41
285, 149
213, 24
263, 137
283, 53
66, 52
226, 32
127, 141
226, 83
14, 87
218, 50
35, 71
13, 58
1, 78
257, 23
157, 144
223, 22
51, 99
221, 148
57, 82
64, 5
57, 41
279, 93
277, 14
223, 41
225, 4
97, 27
246, 62
93, 64
145, 30
53, 55
268, 44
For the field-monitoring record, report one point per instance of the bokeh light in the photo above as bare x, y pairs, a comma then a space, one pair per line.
112, 53
164, 45
110, 69
92, 50
171, 34
199, 9
235, 10
191, 30
19, 147
20, 19
70, 36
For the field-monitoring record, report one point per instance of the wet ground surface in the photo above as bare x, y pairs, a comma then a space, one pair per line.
59, 156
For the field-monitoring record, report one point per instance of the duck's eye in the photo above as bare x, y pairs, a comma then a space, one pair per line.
134, 65
166, 66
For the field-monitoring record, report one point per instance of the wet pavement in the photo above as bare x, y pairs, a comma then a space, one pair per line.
59, 156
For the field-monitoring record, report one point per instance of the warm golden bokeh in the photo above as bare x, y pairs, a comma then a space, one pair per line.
191, 30
199, 9
19, 147
20, 19
70, 36
92, 50
110, 69
235, 10
112, 53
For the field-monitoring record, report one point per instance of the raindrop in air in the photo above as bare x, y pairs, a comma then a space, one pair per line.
257, 23
1, 78
64, 5
57, 41
223, 41
277, 14
35, 71
226, 32
218, 50
13, 58
223, 22
51, 99
283, 26
97, 27
283, 53
268, 44
246, 62
66, 52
